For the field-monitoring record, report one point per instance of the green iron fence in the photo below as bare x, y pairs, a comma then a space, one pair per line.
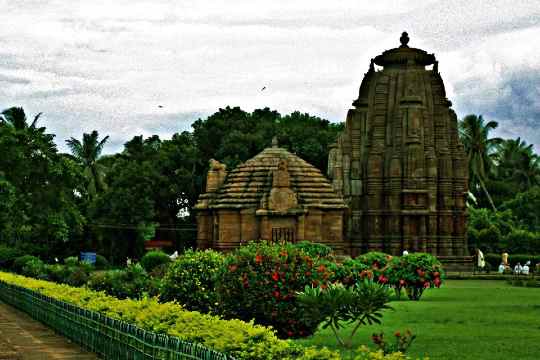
110, 338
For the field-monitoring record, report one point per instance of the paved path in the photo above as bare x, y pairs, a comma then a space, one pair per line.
23, 338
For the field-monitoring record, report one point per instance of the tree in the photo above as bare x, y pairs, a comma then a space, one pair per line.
87, 154
480, 148
38, 184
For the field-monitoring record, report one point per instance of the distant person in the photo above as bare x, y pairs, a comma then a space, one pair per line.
505, 259
405, 253
525, 269
501, 268
517, 269
481, 263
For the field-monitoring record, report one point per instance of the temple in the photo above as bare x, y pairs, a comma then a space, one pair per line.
399, 163
275, 196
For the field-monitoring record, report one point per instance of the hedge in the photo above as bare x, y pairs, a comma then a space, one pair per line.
237, 338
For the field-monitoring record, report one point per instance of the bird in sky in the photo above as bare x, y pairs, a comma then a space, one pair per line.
160, 106
264, 88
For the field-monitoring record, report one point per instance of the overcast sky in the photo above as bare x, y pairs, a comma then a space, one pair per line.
110, 65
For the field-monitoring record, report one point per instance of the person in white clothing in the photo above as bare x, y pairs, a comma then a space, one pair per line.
405, 253
501, 268
481, 263
517, 269
525, 269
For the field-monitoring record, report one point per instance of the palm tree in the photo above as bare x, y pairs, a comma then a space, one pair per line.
16, 117
516, 161
474, 133
87, 153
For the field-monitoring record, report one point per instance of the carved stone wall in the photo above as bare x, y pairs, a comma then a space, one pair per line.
399, 162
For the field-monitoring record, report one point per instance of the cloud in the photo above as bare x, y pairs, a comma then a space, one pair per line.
108, 65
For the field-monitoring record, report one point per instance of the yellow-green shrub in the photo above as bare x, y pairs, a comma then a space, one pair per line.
235, 337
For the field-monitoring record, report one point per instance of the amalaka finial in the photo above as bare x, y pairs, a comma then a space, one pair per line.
275, 142
404, 39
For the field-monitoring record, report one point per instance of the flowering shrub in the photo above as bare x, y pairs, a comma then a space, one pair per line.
191, 280
363, 353
235, 337
401, 342
260, 281
415, 273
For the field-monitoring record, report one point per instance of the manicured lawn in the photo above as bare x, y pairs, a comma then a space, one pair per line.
467, 319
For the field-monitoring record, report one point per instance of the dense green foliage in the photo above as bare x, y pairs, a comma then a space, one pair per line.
38, 201
131, 282
191, 280
464, 319
153, 259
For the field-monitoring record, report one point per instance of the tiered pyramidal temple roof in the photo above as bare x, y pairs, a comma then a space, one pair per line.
247, 185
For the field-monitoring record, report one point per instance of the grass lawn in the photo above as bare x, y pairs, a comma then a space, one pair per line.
465, 319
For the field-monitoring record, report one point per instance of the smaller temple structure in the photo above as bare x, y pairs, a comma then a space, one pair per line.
275, 196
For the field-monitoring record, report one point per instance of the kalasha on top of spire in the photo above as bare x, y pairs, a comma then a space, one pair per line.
404, 56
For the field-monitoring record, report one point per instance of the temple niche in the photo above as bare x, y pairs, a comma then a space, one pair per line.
399, 163
275, 196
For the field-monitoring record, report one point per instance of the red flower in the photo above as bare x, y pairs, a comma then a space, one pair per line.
437, 282
321, 268
308, 273
233, 267
283, 253
276, 294
290, 333
275, 276
402, 282
324, 286
383, 279
258, 259
397, 334
426, 284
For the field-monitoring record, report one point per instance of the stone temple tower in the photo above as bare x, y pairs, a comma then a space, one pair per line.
399, 163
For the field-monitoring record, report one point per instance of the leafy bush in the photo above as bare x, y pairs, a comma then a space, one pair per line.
101, 263
261, 281
132, 282
34, 268
8, 256
20, 262
71, 261
57, 273
235, 337
314, 249
191, 280
153, 259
